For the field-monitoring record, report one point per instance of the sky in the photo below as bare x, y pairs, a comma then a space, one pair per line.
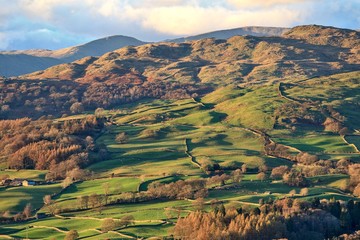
55, 24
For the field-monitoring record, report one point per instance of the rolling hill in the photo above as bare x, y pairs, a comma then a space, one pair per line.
16, 63
256, 136
42, 58
225, 34
239, 60
97, 47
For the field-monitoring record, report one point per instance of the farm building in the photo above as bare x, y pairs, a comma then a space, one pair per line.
27, 183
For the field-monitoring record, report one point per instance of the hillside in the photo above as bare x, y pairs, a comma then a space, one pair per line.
324, 35
42, 58
278, 148
241, 138
94, 48
12, 64
225, 34
16, 63
239, 59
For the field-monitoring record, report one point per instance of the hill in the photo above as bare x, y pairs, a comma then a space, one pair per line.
239, 59
234, 150
97, 47
42, 58
325, 35
225, 34
240, 138
16, 63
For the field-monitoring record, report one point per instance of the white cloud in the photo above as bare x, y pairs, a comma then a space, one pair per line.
187, 20
158, 19
263, 3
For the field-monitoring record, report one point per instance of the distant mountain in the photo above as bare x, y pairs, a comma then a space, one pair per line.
225, 34
16, 63
19, 62
94, 48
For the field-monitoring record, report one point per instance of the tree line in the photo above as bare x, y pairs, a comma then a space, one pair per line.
45, 144
20, 97
282, 219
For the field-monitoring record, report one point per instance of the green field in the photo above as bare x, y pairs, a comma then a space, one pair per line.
317, 143
38, 175
175, 140
15, 198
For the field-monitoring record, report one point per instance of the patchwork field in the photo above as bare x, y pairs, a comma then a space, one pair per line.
168, 141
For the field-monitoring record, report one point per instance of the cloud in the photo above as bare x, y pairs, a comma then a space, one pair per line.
263, 3
70, 22
187, 20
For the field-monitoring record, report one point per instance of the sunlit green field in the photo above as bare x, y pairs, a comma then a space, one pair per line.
187, 135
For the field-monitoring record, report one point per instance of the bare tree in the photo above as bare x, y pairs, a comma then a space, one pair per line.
49, 203
244, 168
71, 235
77, 107
237, 176
108, 225
304, 191
127, 220
121, 138
27, 210
261, 176
66, 182
106, 187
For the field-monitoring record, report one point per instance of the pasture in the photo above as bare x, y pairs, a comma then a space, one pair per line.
167, 141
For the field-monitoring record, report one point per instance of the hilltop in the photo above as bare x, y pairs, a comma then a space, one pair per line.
239, 59
225, 34
16, 63
97, 47
43, 58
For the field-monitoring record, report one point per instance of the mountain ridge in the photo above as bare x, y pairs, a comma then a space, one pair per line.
240, 59
53, 57
228, 33
98, 47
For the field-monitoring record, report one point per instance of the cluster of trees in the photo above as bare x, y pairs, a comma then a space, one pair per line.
122, 138
107, 95
43, 144
296, 177
335, 121
286, 218
290, 176
7, 217
110, 224
192, 189
19, 97
354, 183
282, 151
301, 112
292, 114
179, 190
92, 201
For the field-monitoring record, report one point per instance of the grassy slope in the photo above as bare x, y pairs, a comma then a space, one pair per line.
15, 198
217, 132
255, 109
